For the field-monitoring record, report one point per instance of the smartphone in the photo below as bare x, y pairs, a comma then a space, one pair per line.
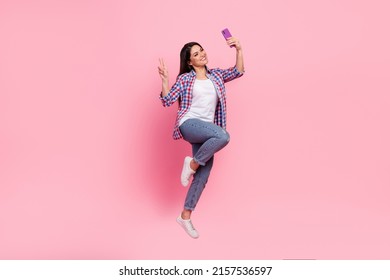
226, 33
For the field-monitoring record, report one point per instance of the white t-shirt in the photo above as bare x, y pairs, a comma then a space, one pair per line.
204, 102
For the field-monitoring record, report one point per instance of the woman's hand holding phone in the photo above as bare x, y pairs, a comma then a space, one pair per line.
233, 42
230, 40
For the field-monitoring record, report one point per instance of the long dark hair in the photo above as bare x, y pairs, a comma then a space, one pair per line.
185, 55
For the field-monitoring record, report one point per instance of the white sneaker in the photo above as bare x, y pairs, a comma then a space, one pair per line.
188, 227
186, 172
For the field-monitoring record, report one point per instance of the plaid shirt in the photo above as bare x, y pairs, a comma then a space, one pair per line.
183, 89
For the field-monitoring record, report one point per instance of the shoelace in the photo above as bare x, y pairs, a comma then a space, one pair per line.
189, 225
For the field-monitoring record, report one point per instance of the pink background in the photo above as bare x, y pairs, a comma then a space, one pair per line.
88, 167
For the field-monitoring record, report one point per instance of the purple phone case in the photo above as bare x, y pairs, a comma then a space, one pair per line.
226, 34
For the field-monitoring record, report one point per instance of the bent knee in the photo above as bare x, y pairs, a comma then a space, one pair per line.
224, 137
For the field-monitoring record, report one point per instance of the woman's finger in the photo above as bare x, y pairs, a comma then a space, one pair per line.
162, 63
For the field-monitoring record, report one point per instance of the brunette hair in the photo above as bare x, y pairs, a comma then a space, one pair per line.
185, 55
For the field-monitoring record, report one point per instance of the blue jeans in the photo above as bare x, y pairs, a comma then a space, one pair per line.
206, 139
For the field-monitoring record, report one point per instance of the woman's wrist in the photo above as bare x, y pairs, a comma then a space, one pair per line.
240, 61
165, 87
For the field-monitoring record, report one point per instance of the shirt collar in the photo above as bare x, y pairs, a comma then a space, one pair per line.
193, 73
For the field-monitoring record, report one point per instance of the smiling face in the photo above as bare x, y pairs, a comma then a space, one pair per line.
198, 56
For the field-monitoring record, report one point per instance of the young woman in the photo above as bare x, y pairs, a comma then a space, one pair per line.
201, 117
